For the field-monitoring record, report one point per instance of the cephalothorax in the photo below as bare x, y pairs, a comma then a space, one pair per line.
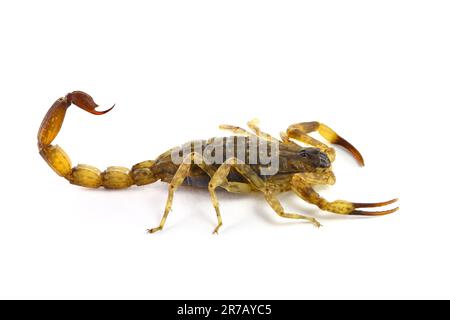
298, 168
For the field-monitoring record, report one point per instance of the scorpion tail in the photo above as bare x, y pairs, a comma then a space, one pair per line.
84, 175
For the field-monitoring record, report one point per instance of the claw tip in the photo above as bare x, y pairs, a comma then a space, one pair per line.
99, 113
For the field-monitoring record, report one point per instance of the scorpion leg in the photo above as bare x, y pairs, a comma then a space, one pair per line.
180, 176
254, 126
300, 132
278, 208
219, 179
307, 193
236, 130
177, 180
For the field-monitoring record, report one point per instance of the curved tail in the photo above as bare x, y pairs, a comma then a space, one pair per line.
85, 175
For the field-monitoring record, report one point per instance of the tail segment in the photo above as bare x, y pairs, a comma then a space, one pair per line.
85, 175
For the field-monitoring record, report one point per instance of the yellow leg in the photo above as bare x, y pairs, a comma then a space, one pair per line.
254, 126
236, 130
177, 180
278, 208
180, 176
237, 187
219, 179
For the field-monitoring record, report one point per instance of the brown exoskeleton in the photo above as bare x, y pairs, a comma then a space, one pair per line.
299, 168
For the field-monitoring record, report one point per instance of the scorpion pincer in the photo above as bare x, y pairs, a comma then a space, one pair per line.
299, 168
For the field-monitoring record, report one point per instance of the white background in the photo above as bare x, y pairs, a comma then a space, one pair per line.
378, 72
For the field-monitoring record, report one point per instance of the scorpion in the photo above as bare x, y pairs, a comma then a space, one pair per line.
299, 168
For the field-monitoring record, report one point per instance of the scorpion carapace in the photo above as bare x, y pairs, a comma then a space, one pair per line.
298, 168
